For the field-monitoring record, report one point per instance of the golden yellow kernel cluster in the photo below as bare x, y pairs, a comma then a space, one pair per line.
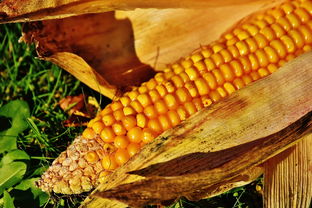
249, 52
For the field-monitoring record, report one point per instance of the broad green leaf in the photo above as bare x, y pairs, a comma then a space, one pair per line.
14, 155
8, 200
17, 111
37, 193
11, 174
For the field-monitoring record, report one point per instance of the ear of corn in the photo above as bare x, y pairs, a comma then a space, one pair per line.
253, 50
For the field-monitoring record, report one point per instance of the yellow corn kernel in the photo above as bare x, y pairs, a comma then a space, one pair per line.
161, 107
198, 103
151, 84
159, 77
261, 40
252, 29
227, 72
302, 14
238, 83
154, 125
133, 94
128, 111
129, 122
254, 61
263, 72
107, 135
210, 79
247, 79
119, 129
150, 111
116, 105
206, 52
171, 101
293, 20
136, 105
121, 156
148, 135
98, 127
202, 86
272, 68
237, 68
279, 48
289, 43
89, 133
297, 38
109, 163
268, 33
262, 58
190, 108
217, 59
108, 119
164, 122
215, 96
218, 76
306, 32
252, 44
121, 141
154, 95
278, 30
182, 113
133, 148
135, 135
247, 66
125, 101
229, 88
234, 51
143, 89
161, 90
226, 55
118, 114
186, 63
191, 88
197, 57
141, 120
174, 117
284, 23
242, 48
271, 54
177, 81
222, 92
144, 99
183, 95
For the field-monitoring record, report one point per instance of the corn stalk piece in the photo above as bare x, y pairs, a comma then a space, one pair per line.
218, 144
288, 177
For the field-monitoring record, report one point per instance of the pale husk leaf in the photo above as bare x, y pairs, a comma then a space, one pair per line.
111, 51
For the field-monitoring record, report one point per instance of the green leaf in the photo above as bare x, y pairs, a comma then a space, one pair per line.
17, 111
11, 174
14, 155
8, 200
37, 193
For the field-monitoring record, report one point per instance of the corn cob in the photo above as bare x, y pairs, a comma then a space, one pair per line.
250, 51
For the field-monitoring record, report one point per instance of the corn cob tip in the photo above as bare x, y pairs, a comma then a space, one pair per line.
76, 170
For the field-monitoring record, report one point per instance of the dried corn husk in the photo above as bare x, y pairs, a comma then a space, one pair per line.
111, 51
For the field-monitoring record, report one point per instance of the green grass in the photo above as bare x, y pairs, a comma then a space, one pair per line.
41, 85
